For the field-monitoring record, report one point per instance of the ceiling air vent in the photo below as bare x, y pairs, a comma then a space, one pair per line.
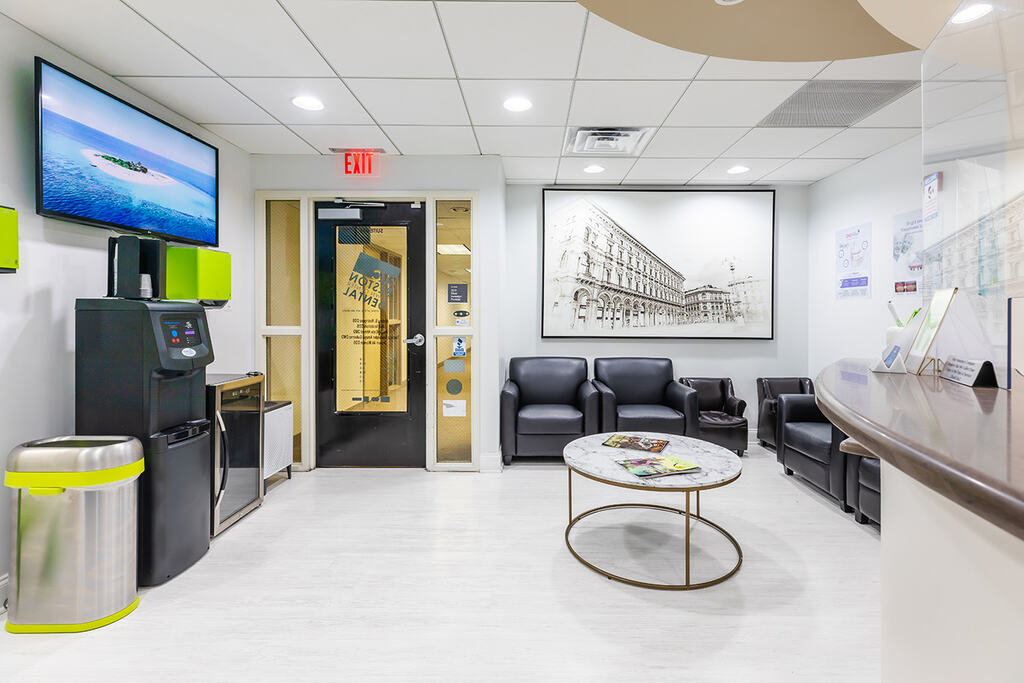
606, 142
827, 104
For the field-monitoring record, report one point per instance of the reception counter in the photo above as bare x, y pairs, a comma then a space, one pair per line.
952, 542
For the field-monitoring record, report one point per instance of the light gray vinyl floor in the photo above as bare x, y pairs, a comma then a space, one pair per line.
405, 575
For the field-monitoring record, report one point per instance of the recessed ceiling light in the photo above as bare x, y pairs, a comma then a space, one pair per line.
971, 13
307, 102
594, 168
517, 104
736, 170
726, 3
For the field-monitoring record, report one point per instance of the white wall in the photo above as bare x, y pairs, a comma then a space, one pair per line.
62, 261
418, 174
872, 191
743, 360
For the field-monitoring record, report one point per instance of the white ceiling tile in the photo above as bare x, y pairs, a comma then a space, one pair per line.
84, 28
779, 143
665, 170
570, 169
433, 139
530, 168
401, 101
611, 52
523, 141
716, 171
485, 100
203, 100
730, 103
903, 113
860, 143
513, 39
903, 66
692, 142
944, 101
392, 39
237, 37
721, 68
808, 170
967, 72
275, 95
623, 103
358, 137
261, 139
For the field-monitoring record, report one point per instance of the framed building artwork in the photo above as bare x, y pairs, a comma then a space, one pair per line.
684, 264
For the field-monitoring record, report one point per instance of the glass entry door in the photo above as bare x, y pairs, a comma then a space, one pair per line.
371, 355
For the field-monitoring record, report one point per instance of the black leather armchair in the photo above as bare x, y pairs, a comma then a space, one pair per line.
808, 444
640, 395
546, 403
720, 420
768, 391
864, 488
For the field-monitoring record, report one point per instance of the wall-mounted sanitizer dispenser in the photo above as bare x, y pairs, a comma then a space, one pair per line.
140, 370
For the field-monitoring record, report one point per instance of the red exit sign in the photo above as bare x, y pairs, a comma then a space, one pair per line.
359, 162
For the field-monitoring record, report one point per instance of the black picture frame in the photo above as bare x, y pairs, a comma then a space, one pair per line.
85, 220
677, 190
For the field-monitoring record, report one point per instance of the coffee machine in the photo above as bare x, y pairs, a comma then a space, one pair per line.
140, 370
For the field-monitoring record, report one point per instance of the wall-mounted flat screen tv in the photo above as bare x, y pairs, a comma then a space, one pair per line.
103, 162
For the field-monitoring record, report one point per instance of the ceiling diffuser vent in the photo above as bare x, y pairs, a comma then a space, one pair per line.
827, 104
606, 142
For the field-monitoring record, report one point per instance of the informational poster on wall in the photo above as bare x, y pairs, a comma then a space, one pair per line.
930, 188
853, 261
907, 253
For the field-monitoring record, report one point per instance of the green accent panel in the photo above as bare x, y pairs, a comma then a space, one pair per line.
8, 238
72, 628
73, 480
194, 273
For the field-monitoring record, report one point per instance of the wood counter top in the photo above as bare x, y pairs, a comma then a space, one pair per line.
966, 444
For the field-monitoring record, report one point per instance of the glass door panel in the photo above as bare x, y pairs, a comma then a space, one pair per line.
370, 365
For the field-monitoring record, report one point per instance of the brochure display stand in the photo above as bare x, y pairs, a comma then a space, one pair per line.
948, 330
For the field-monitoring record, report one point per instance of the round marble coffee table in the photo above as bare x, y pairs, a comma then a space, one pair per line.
588, 457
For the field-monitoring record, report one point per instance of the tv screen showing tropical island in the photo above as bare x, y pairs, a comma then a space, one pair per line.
103, 162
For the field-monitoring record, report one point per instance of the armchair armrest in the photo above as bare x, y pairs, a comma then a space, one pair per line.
509, 416
588, 402
685, 400
608, 406
735, 406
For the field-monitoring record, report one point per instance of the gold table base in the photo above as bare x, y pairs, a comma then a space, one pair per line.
694, 516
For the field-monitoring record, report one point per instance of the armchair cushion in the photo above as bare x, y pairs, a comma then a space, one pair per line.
650, 417
550, 418
718, 418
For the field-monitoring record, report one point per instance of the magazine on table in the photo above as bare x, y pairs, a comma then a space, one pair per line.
636, 443
658, 466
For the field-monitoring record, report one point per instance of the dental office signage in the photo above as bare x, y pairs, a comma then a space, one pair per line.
370, 372
907, 253
668, 263
853, 261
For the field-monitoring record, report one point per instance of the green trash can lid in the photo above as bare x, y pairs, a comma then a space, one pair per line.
74, 462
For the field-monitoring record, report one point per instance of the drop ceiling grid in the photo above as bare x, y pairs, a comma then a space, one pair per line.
594, 34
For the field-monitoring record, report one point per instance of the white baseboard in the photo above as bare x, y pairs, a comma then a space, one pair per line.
490, 462
3, 593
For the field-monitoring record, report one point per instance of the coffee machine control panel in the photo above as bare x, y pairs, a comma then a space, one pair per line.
184, 337
181, 332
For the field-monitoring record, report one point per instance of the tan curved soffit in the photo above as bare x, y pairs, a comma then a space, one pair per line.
762, 30
915, 21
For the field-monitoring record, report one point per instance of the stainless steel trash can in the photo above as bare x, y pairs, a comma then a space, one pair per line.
73, 531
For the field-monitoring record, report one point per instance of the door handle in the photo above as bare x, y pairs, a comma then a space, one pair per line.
418, 340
